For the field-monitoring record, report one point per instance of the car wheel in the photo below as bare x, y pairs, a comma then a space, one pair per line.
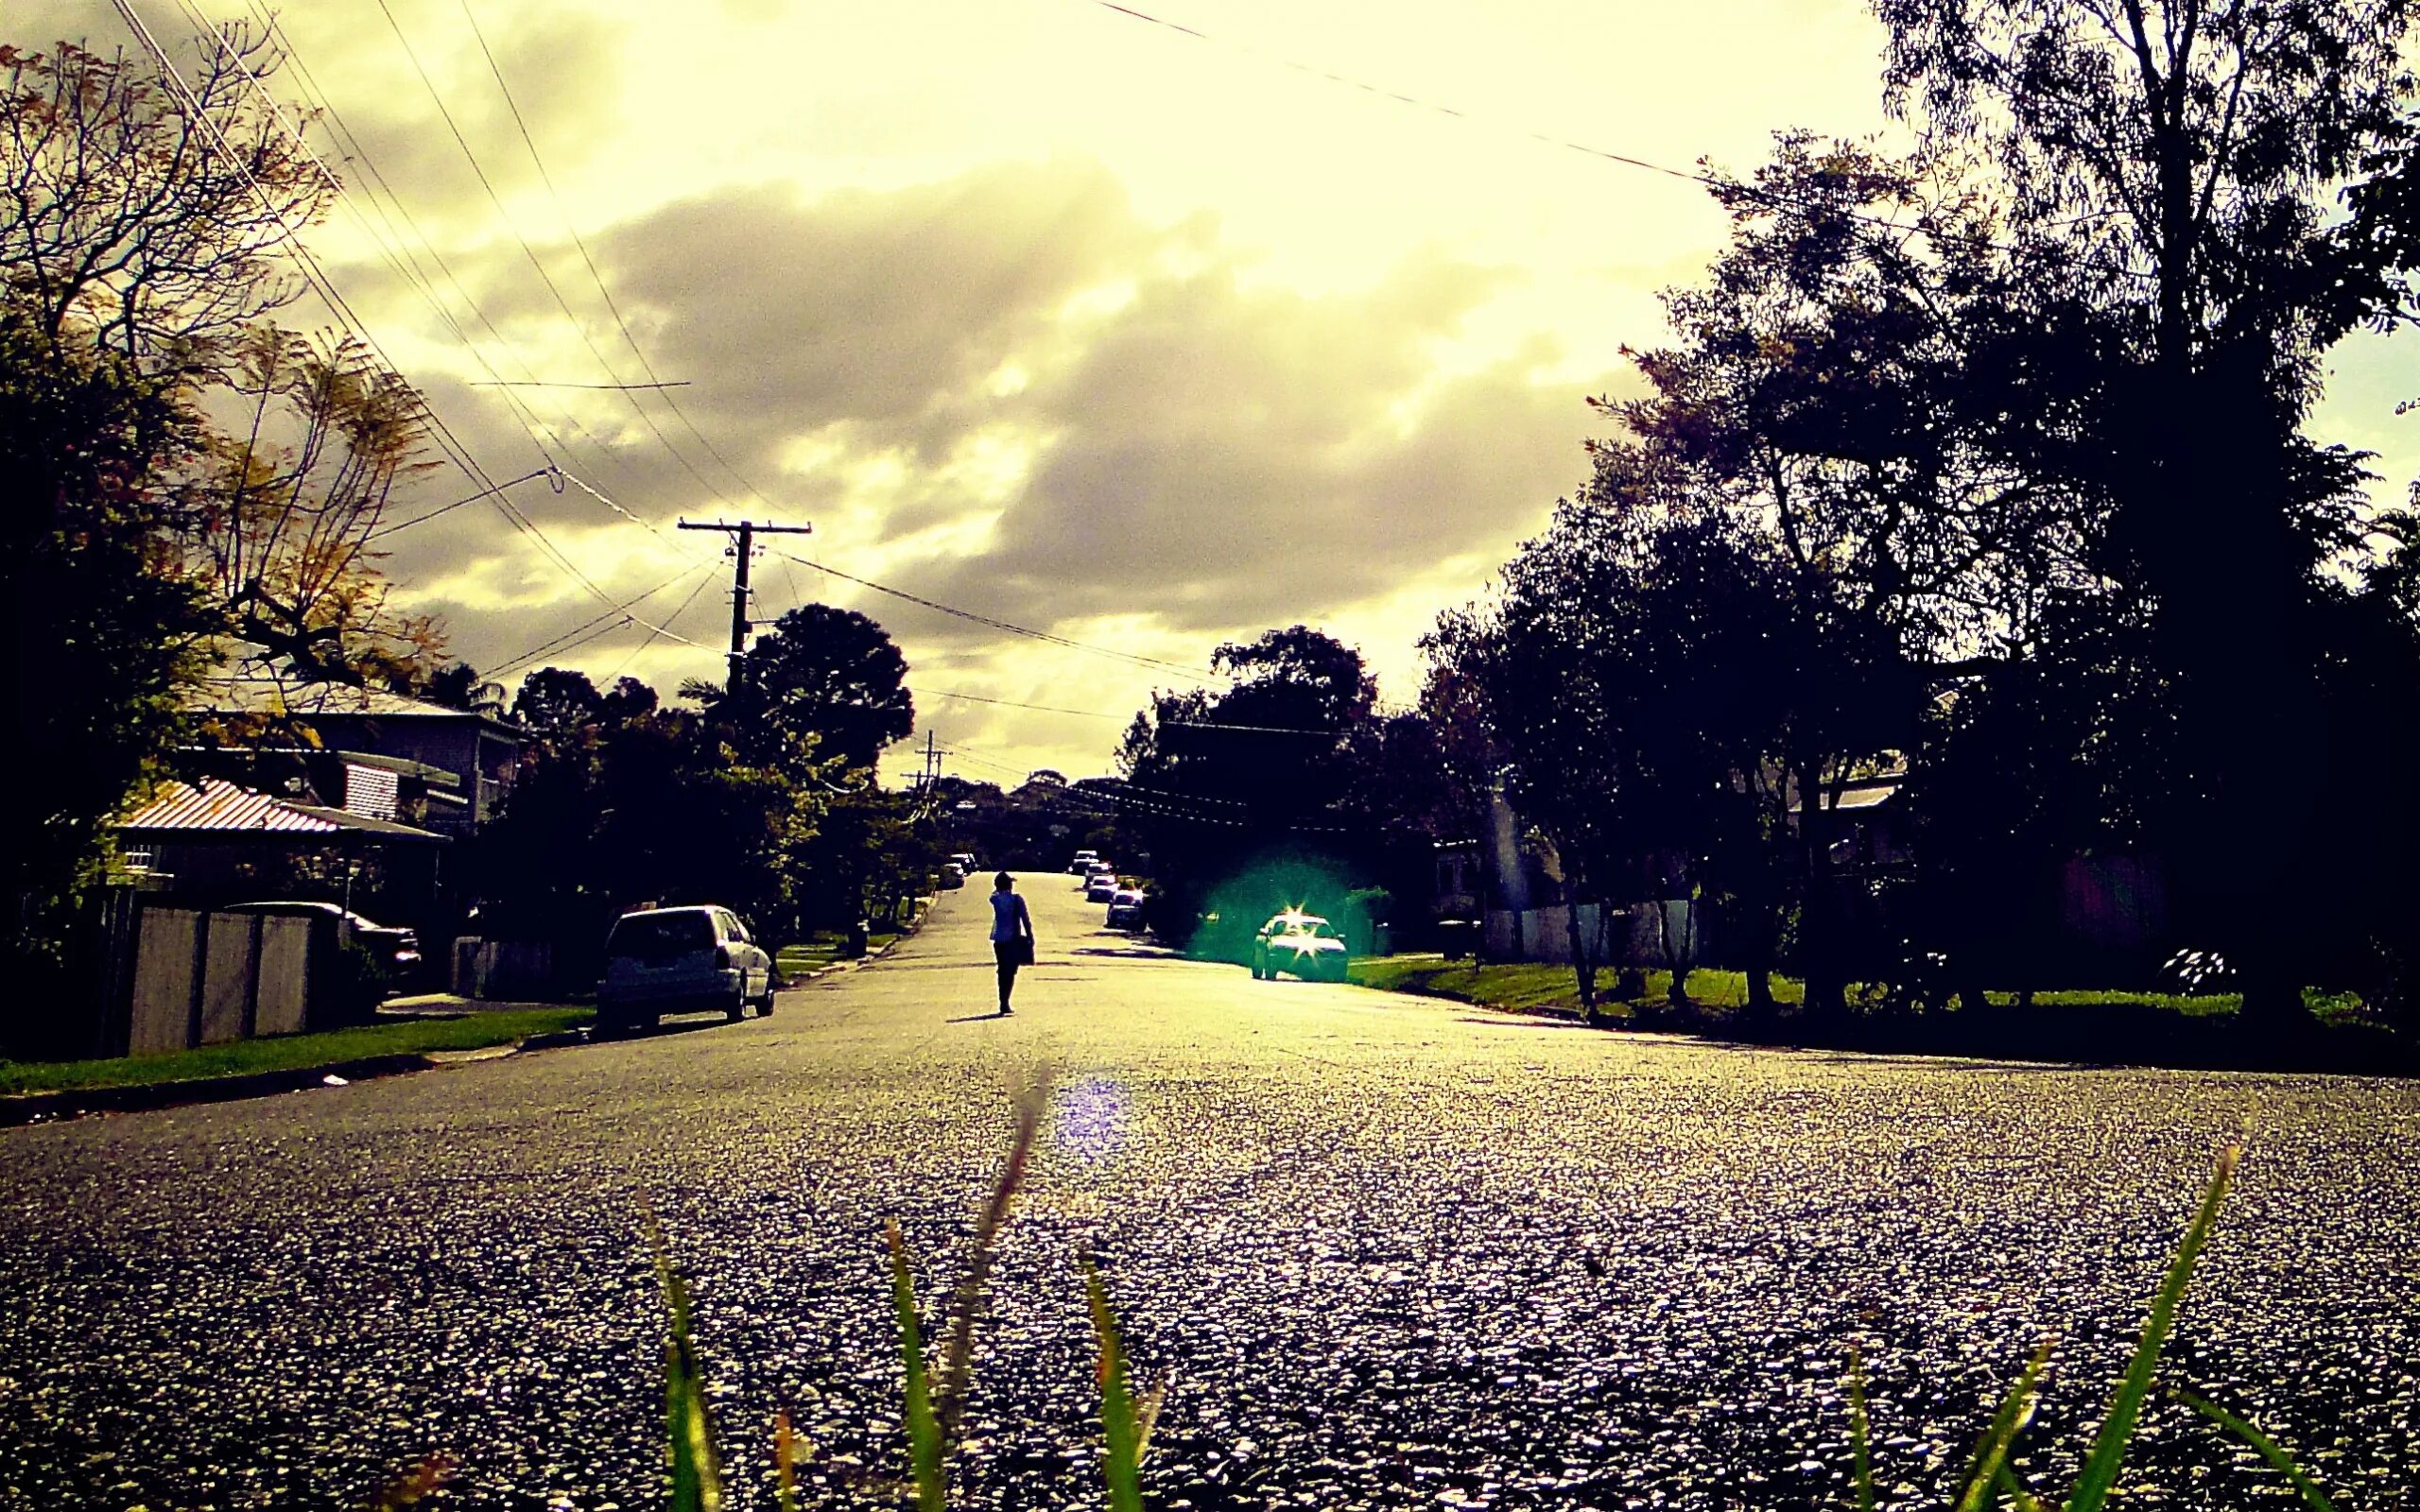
764, 1004
737, 1008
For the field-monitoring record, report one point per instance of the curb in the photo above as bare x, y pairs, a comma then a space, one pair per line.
861, 962
44, 1108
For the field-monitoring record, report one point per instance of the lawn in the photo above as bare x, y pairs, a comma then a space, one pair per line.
294, 1052
820, 949
1531, 986
1539, 984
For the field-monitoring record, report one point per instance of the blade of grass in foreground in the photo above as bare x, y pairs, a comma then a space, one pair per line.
2109, 1446
2270, 1449
1123, 1458
1860, 1431
1990, 1455
697, 1472
784, 1464
408, 1489
967, 1302
924, 1426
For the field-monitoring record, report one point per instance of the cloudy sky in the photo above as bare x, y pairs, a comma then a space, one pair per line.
1035, 309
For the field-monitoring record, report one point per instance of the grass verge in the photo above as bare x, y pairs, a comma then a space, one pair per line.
1535, 985
295, 1052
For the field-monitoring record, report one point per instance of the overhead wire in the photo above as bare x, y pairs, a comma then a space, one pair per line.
537, 265
554, 645
1152, 664
673, 618
449, 508
1704, 178
316, 277
513, 106
400, 255
1012, 703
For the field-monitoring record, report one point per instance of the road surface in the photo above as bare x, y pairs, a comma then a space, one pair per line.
1395, 1254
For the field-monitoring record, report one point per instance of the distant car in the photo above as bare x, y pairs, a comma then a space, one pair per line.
953, 875
679, 960
397, 950
1101, 886
967, 863
1082, 861
1304, 944
1126, 909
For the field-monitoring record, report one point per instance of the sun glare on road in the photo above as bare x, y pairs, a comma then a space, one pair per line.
1089, 1122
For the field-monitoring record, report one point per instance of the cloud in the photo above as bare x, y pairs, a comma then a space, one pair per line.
1011, 390
1083, 410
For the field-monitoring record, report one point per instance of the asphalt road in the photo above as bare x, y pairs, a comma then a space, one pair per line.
1395, 1254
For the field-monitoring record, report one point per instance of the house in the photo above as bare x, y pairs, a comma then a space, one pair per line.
1868, 821
459, 763
215, 842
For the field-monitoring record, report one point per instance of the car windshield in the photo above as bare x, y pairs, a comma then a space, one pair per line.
662, 933
1301, 924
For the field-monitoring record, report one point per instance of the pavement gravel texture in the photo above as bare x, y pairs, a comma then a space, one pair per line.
1391, 1253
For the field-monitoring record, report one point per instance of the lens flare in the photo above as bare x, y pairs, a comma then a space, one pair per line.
1089, 1122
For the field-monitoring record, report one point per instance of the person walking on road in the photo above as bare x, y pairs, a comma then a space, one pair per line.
1012, 934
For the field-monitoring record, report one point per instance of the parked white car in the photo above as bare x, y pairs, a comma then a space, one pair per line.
1304, 944
680, 960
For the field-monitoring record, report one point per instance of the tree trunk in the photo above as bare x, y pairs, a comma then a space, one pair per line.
1826, 993
1676, 991
1583, 967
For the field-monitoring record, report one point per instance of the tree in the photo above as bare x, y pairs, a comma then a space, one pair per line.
1248, 788
105, 633
558, 700
824, 684
294, 502
2169, 166
151, 215
148, 213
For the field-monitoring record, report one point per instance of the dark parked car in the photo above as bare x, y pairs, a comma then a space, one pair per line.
396, 948
1126, 909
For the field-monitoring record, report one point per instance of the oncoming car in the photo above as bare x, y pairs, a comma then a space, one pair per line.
1101, 886
1126, 909
1301, 943
680, 960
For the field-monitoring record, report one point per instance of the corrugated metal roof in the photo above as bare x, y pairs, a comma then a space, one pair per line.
223, 808
261, 695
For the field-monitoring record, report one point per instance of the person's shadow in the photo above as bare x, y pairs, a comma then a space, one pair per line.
978, 1017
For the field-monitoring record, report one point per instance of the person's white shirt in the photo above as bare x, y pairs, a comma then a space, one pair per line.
1008, 912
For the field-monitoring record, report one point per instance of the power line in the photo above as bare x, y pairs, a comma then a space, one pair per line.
536, 264
447, 508
556, 644
677, 382
325, 287
1011, 703
597, 278
399, 255
673, 618
1154, 663
1709, 181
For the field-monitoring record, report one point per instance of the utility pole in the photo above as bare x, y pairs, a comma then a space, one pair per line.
745, 533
